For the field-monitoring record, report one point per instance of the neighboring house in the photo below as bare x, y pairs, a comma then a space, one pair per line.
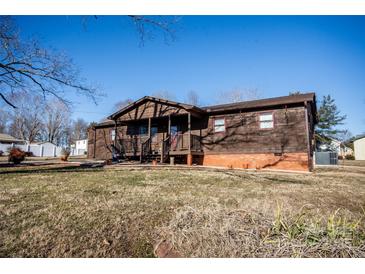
269, 133
336, 146
359, 147
8, 139
38, 149
79, 148
7, 142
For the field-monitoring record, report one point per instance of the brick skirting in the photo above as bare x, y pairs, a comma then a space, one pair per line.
288, 161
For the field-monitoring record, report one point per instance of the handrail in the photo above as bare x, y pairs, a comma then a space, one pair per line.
145, 148
165, 148
195, 143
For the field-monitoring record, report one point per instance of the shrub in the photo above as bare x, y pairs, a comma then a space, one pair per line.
1, 153
65, 153
350, 157
29, 154
16, 155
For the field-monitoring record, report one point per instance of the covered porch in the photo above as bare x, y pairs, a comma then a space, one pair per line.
158, 138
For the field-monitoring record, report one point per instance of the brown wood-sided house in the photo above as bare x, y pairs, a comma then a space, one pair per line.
274, 133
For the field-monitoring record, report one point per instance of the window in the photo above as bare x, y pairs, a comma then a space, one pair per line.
154, 131
266, 121
219, 125
143, 130
112, 133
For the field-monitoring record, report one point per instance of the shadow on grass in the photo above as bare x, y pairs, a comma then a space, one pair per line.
52, 169
268, 178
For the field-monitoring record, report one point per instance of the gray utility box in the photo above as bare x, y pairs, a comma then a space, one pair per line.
326, 158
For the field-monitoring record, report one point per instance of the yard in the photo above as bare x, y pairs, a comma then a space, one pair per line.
70, 211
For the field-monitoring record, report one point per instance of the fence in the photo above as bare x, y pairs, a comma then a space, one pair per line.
38, 150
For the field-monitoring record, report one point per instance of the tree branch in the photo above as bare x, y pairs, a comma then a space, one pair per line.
6, 100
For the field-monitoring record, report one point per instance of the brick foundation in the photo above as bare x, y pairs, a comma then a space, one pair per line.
288, 161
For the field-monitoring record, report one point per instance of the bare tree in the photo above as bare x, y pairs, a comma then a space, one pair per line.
56, 120
296, 92
164, 94
26, 120
121, 104
192, 98
79, 130
4, 120
238, 95
147, 26
25, 65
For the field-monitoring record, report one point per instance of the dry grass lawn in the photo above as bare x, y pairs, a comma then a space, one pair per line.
77, 212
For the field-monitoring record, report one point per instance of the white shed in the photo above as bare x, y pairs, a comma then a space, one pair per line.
359, 147
44, 149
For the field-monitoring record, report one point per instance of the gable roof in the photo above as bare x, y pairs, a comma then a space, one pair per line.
144, 99
8, 138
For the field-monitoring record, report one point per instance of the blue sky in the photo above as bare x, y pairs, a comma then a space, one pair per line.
214, 54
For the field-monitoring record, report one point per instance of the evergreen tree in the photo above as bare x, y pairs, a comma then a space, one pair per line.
329, 117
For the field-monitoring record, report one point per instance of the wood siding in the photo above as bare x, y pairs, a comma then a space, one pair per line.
103, 142
243, 133
242, 136
151, 109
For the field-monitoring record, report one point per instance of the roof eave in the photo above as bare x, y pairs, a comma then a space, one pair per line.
187, 107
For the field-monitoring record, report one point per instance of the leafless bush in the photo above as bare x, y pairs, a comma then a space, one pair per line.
16, 155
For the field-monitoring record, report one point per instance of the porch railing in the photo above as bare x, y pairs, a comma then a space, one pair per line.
196, 144
175, 142
131, 146
180, 142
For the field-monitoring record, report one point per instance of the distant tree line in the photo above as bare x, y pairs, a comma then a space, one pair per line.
36, 119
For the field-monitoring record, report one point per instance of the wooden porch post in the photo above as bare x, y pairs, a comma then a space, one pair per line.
169, 126
115, 133
149, 134
189, 131
149, 127
190, 157
162, 148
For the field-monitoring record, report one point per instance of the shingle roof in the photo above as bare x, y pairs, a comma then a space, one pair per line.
254, 104
8, 138
291, 99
